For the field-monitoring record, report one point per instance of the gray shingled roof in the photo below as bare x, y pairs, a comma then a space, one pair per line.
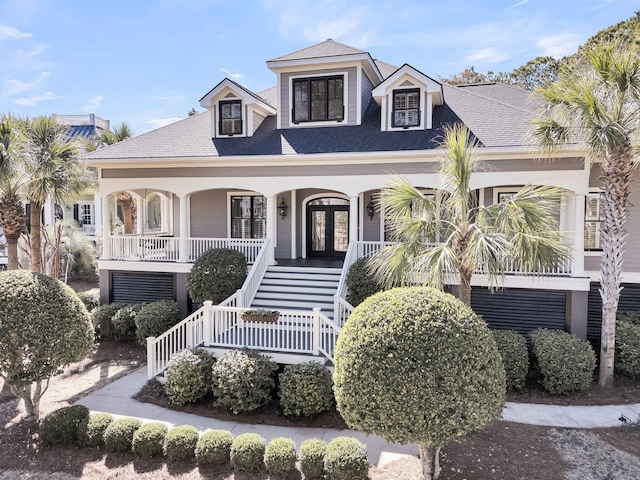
493, 113
386, 69
328, 48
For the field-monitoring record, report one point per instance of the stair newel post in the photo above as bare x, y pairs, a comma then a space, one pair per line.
316, 331
207, 326
151, 357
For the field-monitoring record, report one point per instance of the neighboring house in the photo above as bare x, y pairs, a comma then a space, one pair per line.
289, 175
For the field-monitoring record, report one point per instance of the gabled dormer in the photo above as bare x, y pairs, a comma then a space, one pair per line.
325, 85
407, 98
235, 111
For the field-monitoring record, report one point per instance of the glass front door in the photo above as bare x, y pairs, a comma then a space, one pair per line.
328, 228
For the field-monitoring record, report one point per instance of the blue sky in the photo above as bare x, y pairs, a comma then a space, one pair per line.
149, 62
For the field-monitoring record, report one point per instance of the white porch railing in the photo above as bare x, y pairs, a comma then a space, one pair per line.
144, 247
254, 278
249, 246
137, 248
297, 332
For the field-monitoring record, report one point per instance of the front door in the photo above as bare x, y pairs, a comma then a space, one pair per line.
327, 227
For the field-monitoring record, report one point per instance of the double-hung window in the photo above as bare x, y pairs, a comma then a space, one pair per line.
318, 99
593, 215
406, 108
86, 214
230, 117
248, 216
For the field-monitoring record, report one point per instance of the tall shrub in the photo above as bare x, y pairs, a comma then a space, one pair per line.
216, 275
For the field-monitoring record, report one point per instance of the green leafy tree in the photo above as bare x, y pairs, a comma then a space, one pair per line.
599, 107
442, 375
470, 76
53, 169
535, 73
452, 232
43, 328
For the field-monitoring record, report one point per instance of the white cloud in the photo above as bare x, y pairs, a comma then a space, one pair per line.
35, 100
7, 32
519, 4
559, 45
32, 53
488, 55
13, 86
232, 75
93, 104
602, 4
162, 122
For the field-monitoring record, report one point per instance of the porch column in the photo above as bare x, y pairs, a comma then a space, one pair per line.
577, 266
353, 218
294, 222
271, 226
97, 212
106, 228
183, 248
139, 215
49, 212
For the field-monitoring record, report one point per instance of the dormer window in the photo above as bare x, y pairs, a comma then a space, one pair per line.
406, 108
318, 99
230, 117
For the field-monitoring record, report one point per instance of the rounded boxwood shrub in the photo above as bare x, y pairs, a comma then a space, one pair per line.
280, 456
91, 429
627, 357
148, 441
305, 389
312, 452
515, 357
214, 447
181, 442
119, 434
188, 376
61, 426
102, 315
361, 284
90, 298
242, 380
247, 452
216, 275
155, 318
123, 321
346, 459
566, 362
417, 365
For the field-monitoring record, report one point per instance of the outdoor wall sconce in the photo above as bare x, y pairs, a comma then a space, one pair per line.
371, 209
282, 208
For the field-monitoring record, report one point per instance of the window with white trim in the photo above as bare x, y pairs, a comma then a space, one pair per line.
593, 215
248, 216
318, 99
230, 117
86, 214
406, 108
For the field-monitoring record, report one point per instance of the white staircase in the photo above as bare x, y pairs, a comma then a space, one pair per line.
298, 288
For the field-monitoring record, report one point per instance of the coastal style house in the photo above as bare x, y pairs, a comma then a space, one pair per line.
290, 176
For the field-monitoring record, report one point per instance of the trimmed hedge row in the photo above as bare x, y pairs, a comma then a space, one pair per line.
627, 357
343, 458
140, 320
515, 357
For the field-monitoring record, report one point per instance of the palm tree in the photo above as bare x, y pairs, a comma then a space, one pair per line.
125, 199
53, 171
451, 232
598, 105
12, 215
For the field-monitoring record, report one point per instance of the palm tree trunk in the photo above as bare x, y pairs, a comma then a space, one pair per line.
616, 178
464, 290
36, 241
12, 253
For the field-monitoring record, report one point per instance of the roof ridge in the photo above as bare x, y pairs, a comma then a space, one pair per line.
357, 50
514, 107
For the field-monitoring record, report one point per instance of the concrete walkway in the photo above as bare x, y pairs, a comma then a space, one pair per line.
115, 398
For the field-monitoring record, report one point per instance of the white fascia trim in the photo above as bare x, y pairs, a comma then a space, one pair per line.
155, 267
430, 85
486, 154
542, 283
211, 99
628, 277
280, 65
